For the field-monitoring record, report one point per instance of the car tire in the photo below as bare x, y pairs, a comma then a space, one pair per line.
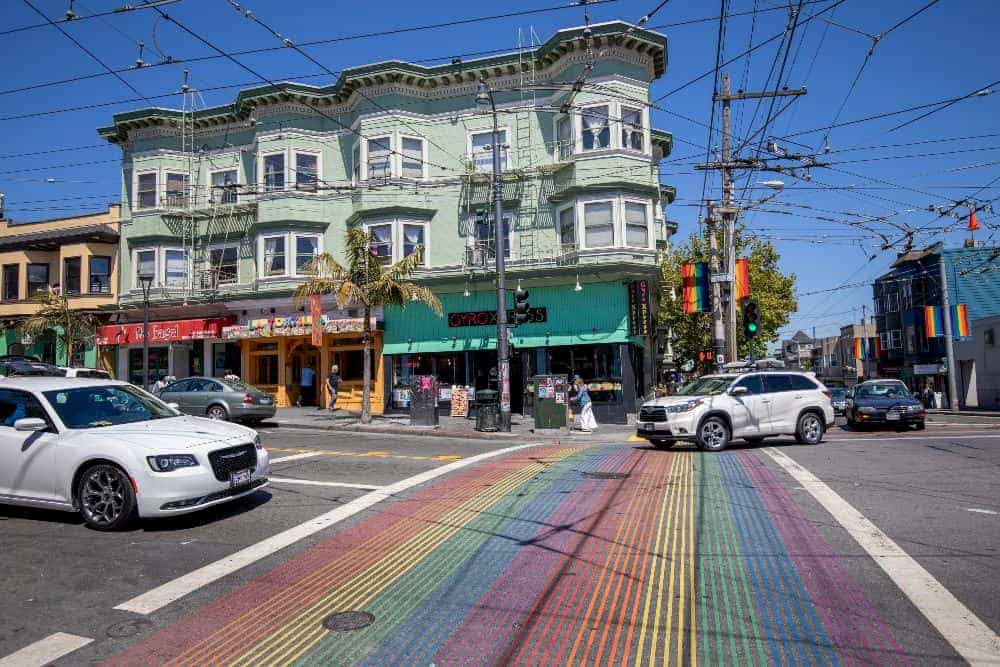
217, 412
809, 430
663, 444
106, 498
851, 424
713, 435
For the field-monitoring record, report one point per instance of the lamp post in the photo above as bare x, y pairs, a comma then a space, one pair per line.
146, 282
484, 97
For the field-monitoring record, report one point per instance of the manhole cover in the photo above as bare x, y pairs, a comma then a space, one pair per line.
346, 621
127, 628
606, 475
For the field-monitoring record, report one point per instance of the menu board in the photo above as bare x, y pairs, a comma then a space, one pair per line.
459, 402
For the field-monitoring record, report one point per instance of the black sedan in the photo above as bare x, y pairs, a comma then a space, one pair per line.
884, 405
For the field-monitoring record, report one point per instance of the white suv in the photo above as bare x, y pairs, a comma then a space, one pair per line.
714, 409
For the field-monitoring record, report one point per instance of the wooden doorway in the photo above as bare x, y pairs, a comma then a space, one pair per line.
301, 355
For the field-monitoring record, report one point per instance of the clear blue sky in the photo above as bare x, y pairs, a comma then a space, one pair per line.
945, 52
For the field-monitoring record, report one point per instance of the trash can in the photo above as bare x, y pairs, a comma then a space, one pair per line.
487, 410
423, 401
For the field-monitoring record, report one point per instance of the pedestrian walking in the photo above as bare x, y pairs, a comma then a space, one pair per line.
582, 398
928, 396
307, 385
332, 384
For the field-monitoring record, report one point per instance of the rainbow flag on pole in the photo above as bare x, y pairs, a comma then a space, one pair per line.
874, 348
694, 281
960, 321
933, 323
741, 279
859, 348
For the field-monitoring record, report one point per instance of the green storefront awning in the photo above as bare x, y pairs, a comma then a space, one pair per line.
597, 314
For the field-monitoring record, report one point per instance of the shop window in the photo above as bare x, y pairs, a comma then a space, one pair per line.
146, 190
99, 275
267, 369
596, 128
481, 145
567, 230
274, 256
636, 225
145, 265
352, 364
564, 137
412, 157
598, 223
306, 171
175, 268
177, 189
632, 132
11, 282
38, 279
306, 250
224, 265
274, 172
223, 187
379, 157
71, 279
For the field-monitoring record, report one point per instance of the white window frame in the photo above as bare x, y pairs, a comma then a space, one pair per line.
896, 339
314, 188
366, 174
505, 135
643, 118
223, 246
185, 195
261, 176
575, 224
236, 184
581, 221
292, 267
557, 153
612, 126
163, 267
135, 189
892, 302
357, 163
135, 265
396, 235
883, 339
649, 223
472, 227
616, 125
261, 245
398, 155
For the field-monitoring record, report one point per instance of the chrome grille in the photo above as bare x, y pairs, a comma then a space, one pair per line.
653, 414
226, 461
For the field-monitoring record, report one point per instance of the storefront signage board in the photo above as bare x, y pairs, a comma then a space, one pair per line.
162, 332
638, 307
482, 318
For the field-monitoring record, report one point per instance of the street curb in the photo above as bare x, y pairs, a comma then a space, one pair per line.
964, 413
433, 432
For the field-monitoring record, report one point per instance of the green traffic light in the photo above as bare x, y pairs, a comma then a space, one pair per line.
752, 326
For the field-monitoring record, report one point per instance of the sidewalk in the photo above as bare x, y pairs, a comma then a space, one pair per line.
521, 428
967, 412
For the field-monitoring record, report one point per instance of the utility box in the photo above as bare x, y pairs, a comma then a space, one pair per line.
551, 401
423, 401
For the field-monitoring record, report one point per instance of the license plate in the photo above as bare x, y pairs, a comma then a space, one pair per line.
239, 478
646, 427
265, 400
892, 416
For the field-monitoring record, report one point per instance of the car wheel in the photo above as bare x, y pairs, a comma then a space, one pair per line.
809, 430
753, 441
217, 412
713, 435
106, 498
662, 444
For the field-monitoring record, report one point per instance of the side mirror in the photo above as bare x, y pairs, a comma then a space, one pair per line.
174, 406
30, 424
738, 391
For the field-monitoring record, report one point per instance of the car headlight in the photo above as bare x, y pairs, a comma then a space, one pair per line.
256, 441
685, 407
169, 462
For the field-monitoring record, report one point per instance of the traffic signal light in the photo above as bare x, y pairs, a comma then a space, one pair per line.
521, 306
751, 319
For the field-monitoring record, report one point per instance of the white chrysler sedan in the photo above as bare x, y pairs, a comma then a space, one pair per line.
113, 452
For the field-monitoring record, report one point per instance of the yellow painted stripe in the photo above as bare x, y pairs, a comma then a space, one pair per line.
295, 638
692, 557
635, 438
674, 525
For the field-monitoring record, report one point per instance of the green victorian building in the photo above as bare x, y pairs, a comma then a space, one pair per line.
223, 207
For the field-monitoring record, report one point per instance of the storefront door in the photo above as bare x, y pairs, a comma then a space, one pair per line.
158, 364
302, 355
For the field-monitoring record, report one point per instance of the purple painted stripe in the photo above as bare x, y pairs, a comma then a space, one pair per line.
853, 624
488, 627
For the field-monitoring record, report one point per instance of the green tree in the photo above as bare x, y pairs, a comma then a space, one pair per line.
55, 315
367, 282
691, 333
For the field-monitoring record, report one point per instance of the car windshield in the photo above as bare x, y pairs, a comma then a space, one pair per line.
880, 391
706, 386
105, 405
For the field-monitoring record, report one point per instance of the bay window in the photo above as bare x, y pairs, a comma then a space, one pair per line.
223, 187
379, 153
176, 190
596, 127
598, 224
146, 190
11, 282
567, 230
356, 163
71, 279
274, 256
382, 242
38, 279
306, 250
175, 269
306, 171
412, 157
274, 172
633, 136
413, 238
486, 234
565, 142
275, 248
396, 238
481, 148
636, 225
145, 265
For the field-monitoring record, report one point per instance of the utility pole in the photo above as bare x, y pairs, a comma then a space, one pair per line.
725, 316
949, 344
718, 322
864, 338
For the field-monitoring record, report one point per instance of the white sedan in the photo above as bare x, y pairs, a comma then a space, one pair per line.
113, 452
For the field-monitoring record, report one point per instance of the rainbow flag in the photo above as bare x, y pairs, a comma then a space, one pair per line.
874, 348
960, 321
859, 348
694, 280
933, 324
741, 279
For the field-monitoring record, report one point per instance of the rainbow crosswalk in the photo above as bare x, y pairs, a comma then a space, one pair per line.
557, 554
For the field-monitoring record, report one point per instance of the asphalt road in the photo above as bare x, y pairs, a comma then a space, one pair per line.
762, 554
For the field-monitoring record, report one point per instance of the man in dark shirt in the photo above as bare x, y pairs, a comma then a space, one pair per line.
332, 384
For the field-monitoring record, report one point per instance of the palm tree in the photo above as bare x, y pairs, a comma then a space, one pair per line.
54, 314
369, 283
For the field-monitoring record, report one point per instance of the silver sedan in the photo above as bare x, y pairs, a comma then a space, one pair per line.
219, 399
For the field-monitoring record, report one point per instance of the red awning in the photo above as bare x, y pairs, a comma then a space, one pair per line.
163, 332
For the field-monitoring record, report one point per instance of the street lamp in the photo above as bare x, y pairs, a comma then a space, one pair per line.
146, 282
484, 97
